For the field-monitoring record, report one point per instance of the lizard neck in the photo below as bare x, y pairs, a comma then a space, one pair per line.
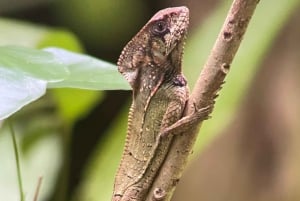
150, 80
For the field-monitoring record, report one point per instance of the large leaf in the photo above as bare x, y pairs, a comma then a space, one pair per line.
25, 73
34, 63
87, 72
17, 90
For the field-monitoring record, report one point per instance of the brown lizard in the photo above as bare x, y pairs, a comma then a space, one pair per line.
151, 62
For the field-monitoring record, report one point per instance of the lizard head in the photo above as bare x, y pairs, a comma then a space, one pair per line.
157, 48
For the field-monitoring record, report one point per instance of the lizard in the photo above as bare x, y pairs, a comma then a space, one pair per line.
151, 63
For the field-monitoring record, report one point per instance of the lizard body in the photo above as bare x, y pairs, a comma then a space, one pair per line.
151, 62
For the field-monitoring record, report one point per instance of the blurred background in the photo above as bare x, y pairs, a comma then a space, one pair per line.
74, 138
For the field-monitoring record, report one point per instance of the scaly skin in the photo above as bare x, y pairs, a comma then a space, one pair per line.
151, 62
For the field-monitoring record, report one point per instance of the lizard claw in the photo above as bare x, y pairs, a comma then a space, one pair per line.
203, 113
186, 122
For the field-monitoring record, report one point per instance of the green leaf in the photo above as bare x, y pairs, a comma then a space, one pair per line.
18, 90
35, 63
25, 72
87, 72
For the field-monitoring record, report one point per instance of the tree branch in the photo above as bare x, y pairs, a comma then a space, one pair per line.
204, 93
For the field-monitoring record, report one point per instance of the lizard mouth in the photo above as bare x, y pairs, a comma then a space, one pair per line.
175, 40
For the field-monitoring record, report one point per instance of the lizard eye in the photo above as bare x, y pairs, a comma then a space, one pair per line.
159, 28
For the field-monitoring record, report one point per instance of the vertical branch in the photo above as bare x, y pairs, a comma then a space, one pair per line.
204, 93
223, 52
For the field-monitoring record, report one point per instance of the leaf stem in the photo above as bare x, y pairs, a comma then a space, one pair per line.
13, 135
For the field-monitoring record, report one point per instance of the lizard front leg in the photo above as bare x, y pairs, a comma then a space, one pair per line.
185, 123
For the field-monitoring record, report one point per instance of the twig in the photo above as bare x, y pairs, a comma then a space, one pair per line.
204, 93
36, 195
13, 135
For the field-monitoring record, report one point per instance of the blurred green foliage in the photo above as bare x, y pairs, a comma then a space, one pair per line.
101, 23
26, 72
